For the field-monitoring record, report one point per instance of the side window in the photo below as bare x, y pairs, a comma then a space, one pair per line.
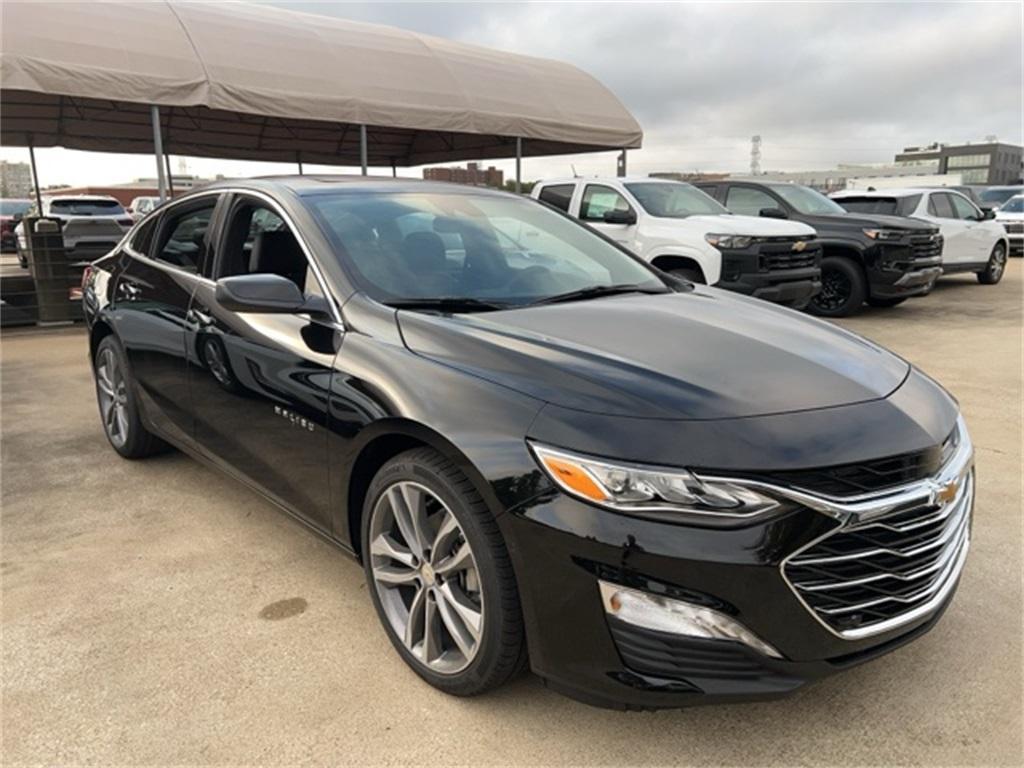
749, 201
940, 206
558, 195
183, 235
143, 236
598, 200
964, 208
257, 240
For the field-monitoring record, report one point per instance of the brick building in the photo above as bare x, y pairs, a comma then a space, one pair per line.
471, 174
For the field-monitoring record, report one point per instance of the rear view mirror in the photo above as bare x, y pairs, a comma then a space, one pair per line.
619, 217
773, 213
265, 293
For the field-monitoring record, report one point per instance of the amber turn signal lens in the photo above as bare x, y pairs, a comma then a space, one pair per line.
574, 477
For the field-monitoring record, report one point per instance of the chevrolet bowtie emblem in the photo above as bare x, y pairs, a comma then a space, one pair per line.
947, 492
799, 245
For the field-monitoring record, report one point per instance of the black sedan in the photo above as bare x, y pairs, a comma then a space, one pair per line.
543, 451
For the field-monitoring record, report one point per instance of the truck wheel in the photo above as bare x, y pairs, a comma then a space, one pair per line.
993, 272
873, 302
843, 288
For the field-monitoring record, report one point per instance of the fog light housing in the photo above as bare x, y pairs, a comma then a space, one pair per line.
665, 614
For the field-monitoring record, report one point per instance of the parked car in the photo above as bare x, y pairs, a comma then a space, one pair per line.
91, 225
992, 197
683, 231
1011, 215
879, 259
972, 240
11, 211
668, 493
141, 207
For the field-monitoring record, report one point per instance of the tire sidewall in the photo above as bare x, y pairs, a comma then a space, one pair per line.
857, 294
136, 431
405, 468
987, 277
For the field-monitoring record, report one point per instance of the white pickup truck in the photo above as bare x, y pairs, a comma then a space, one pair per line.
682, 230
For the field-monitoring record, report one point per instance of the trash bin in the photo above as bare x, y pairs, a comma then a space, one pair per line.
51, 271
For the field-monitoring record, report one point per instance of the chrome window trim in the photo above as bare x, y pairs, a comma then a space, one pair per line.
263, 197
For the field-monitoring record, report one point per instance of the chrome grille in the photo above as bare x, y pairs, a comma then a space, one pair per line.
895, 555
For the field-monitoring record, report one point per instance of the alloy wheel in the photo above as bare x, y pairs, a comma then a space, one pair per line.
997, 263
835, 290
426, 577
113, 395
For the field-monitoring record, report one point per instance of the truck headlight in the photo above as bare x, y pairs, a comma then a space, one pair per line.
884, 234
667, 493
729, 241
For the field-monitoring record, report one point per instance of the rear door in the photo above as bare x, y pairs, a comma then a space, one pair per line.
260, 382
150, 300
958, 246
598, 199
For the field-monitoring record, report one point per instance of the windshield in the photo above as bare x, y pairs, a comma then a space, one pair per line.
86, 207
999, 194
466, 245
1013, 205
675, 200
806, 200
14, 207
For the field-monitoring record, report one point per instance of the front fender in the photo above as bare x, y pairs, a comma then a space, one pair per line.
709, 260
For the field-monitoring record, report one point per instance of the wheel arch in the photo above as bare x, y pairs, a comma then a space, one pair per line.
380, 443
99, 331
667, 262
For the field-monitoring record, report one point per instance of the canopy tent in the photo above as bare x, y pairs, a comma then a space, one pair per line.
244, 81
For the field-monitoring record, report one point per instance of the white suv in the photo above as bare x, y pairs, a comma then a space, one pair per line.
682, 230
972, 240
91, 225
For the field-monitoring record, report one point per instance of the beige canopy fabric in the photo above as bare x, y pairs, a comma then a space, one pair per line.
238, 80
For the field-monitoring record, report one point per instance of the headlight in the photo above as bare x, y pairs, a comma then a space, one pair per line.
662, 492
884, 234
729, 241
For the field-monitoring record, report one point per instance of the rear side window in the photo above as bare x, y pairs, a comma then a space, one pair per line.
183, 236
598, 200
143, 236
558, 195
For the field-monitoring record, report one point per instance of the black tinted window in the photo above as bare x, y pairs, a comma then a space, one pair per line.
184, 236
87, 207
143, 236
940, 205
558, 195
884, 205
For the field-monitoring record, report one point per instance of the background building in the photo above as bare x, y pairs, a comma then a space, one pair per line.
991, 162
126, 192
471, 174
15, 179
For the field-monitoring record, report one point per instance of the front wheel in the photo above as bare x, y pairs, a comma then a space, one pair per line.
878, 302
993, 271
441, 580
843, 288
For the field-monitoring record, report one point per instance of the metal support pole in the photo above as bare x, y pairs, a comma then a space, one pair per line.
519, 165
394, 170
35, 178
298, 159
362, 147
158, 150
170, 176
622, 164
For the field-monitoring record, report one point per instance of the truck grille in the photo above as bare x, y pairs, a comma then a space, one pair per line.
1015, 227
926, 247
777, 254
860, 577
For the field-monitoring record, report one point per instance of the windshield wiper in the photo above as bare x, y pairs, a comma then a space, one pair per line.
595, 291
449, 304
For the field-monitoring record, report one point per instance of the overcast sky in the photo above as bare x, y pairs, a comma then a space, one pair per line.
821, 83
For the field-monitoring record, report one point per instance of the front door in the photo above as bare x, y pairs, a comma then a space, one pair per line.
958, 245
260, 382
150, 303
597, 200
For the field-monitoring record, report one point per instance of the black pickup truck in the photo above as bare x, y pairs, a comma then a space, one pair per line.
882, 260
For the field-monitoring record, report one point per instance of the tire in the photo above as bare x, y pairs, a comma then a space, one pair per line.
893, 302
688, 273
117, 397
996, 266
843, 288
464, 656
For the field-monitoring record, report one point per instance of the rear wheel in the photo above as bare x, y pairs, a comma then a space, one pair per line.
878, 302
843, 288
993, 271
119, 408
440, 575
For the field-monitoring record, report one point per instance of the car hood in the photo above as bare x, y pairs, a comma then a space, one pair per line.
759, 226
700, 354
868, 221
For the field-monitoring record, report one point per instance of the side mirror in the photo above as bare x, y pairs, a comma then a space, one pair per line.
773, 213
988, 213
265, 293
620, 217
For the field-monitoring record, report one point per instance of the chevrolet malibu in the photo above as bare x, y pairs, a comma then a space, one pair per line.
544, 452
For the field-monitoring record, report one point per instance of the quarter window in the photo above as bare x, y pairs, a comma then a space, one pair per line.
184, 241
599, 200
939, 205
558, 195
748, 202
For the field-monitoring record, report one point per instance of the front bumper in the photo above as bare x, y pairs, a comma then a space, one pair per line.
563, 548
773, 270
1016, 240
903, 269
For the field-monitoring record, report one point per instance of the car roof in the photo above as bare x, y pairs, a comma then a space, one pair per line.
51, 198
896, 192
608, 179
313, 184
